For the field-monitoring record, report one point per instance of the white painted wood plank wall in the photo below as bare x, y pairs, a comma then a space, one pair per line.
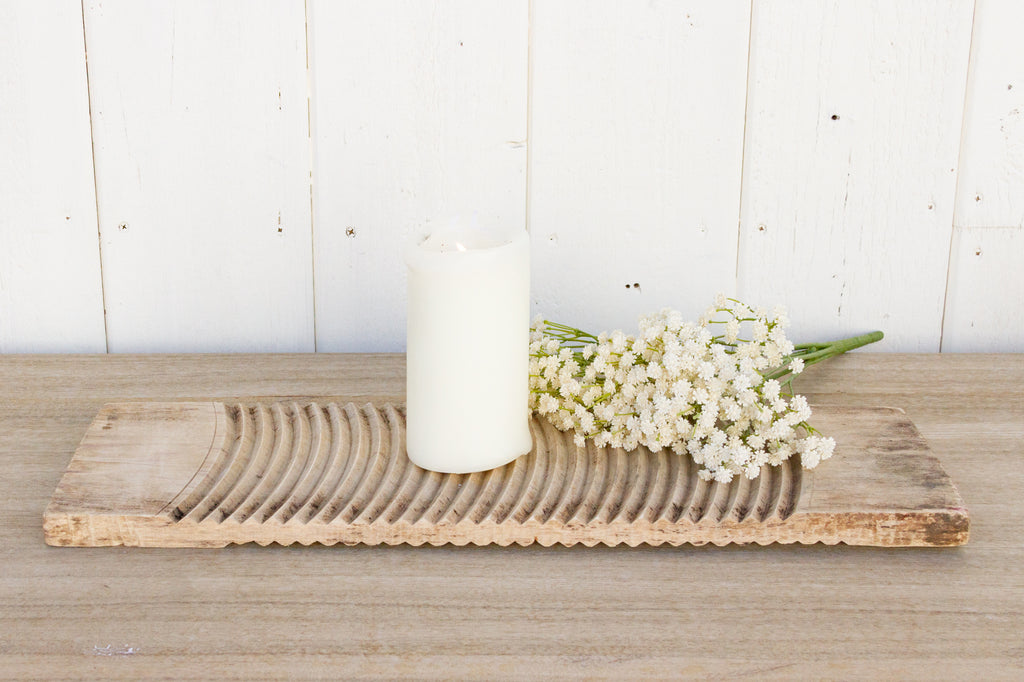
636, 148
200, 124
50, 291
259, 169
853, 132
985, 304
992, 164
419, 114
985, 290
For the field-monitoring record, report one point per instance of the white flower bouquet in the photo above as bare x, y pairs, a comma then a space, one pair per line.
719, 390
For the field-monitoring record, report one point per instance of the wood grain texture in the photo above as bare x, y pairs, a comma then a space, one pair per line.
636, 146
51, 297
419, 119
484, 612
983, 303
852, 139
210, 474
200, 124
990, 190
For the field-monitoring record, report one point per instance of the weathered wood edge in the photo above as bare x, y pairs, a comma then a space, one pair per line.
940, 528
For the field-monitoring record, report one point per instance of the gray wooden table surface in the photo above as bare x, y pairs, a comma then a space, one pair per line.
248, 612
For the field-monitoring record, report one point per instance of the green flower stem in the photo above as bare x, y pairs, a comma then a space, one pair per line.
839, 347
812, 353
565, 332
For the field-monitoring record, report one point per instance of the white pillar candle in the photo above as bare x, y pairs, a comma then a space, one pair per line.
467, 355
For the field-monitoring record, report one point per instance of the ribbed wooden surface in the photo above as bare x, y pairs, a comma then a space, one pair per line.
307, 472
299, 464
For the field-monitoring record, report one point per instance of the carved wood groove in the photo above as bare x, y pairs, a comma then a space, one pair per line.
583, 483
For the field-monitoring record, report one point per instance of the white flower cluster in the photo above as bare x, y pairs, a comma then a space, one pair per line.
699, 389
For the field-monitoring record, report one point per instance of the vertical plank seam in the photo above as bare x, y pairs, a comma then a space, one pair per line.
309, 138
956, 184
95, 181
743, 146
529, 109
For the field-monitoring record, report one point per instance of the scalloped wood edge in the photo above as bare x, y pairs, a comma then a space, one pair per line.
208, 474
